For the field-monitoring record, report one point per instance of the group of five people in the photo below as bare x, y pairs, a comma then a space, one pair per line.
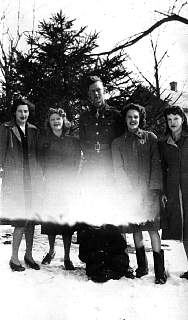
118, 152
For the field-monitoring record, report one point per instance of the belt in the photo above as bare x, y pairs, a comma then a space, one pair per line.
97, 147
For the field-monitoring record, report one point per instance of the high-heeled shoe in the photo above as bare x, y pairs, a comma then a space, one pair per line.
48, 258
68, 265
16, 267
184, 275
31, 264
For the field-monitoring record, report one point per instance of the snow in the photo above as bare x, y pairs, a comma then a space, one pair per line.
54, 293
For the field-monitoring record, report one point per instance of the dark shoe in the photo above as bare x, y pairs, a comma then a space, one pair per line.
129, 273
68, 265
140, 272
16, 267
104, 276
32, 265
48, 258
160, 273
142, 262
184, 275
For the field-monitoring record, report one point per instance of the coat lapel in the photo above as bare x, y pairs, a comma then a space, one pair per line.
16, 132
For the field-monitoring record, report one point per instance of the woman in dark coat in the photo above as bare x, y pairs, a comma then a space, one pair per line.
174, 157
21, 180
137, 167
60, 158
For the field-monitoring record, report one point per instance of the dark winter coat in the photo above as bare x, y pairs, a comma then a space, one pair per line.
138, 172
174, 158
13, 192
60, 159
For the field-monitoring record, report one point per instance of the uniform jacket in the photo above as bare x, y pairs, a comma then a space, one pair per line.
99, 130
102, 128
11, 161
174, 159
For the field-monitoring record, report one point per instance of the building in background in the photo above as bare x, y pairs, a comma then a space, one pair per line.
176, 97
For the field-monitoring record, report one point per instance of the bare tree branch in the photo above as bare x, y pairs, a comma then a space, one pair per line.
165, 53
134, 39
171, 10
18, 19
183, 5
142, 75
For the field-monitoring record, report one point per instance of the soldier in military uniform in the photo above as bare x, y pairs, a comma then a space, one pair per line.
98, 127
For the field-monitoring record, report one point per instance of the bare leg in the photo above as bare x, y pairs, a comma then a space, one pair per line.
29, 233
51, 254
17, 238
155, 240
138, 239
67, 244
51, 240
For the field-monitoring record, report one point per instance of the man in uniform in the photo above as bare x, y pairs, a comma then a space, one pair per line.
98, 127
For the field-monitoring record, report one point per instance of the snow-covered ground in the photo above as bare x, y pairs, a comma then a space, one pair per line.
56, 294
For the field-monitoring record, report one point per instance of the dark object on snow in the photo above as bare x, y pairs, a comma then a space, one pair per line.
184, 275
48, 258
31, 264
103, 251
68, 265
16, 267
7, 242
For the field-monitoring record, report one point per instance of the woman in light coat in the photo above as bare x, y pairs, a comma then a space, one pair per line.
60, 158
137, 167
21, 180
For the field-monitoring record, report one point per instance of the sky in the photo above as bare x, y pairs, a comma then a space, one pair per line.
116, 21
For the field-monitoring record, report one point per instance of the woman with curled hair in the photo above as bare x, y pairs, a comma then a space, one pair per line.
21, 180
174, 155
137, 166
60, 158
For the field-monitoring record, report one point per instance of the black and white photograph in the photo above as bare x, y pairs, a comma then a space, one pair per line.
93, 160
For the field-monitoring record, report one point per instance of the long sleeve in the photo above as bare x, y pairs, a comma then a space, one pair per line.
41, 151
164, 167
155, 165
3, 144
81, 132
77, 154
120, 175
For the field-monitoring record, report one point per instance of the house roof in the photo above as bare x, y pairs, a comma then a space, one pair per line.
176, 98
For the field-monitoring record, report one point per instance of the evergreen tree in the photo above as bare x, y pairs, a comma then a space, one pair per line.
59, 56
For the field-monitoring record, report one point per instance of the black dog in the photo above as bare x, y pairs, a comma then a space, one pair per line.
103, 249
